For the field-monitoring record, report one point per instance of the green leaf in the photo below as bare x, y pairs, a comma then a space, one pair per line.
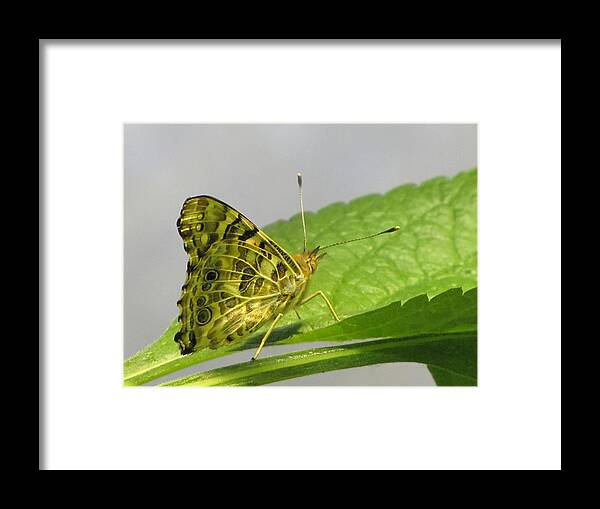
445, 377
441, 332
442, 349
435, 250
447, 313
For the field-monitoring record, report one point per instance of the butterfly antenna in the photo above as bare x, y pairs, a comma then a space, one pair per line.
389, 230
302, 208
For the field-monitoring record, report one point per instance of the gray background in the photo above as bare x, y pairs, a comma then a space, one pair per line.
253, 167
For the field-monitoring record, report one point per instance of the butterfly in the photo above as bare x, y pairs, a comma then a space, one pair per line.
238, 278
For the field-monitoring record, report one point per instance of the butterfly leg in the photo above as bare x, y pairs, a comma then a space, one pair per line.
297, 314
266, 336
321, 294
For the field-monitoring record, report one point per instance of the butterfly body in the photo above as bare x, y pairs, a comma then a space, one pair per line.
238, 279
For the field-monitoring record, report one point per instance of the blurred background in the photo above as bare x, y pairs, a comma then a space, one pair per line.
253, 168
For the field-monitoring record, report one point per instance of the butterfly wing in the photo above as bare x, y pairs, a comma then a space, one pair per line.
237, 276
205, 220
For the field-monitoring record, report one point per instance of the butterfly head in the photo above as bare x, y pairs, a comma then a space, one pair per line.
309, 260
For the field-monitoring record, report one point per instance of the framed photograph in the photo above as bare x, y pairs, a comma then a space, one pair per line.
300, 255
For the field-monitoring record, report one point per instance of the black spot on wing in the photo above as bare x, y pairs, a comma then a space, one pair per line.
283, 254
243, 286
249, 233
281, 269
185, 347
211, 275
232, 225
204, 316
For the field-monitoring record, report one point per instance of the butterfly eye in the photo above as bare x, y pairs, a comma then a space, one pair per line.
211, 275
204, 316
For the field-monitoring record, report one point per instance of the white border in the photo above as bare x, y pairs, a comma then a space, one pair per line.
511, 421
